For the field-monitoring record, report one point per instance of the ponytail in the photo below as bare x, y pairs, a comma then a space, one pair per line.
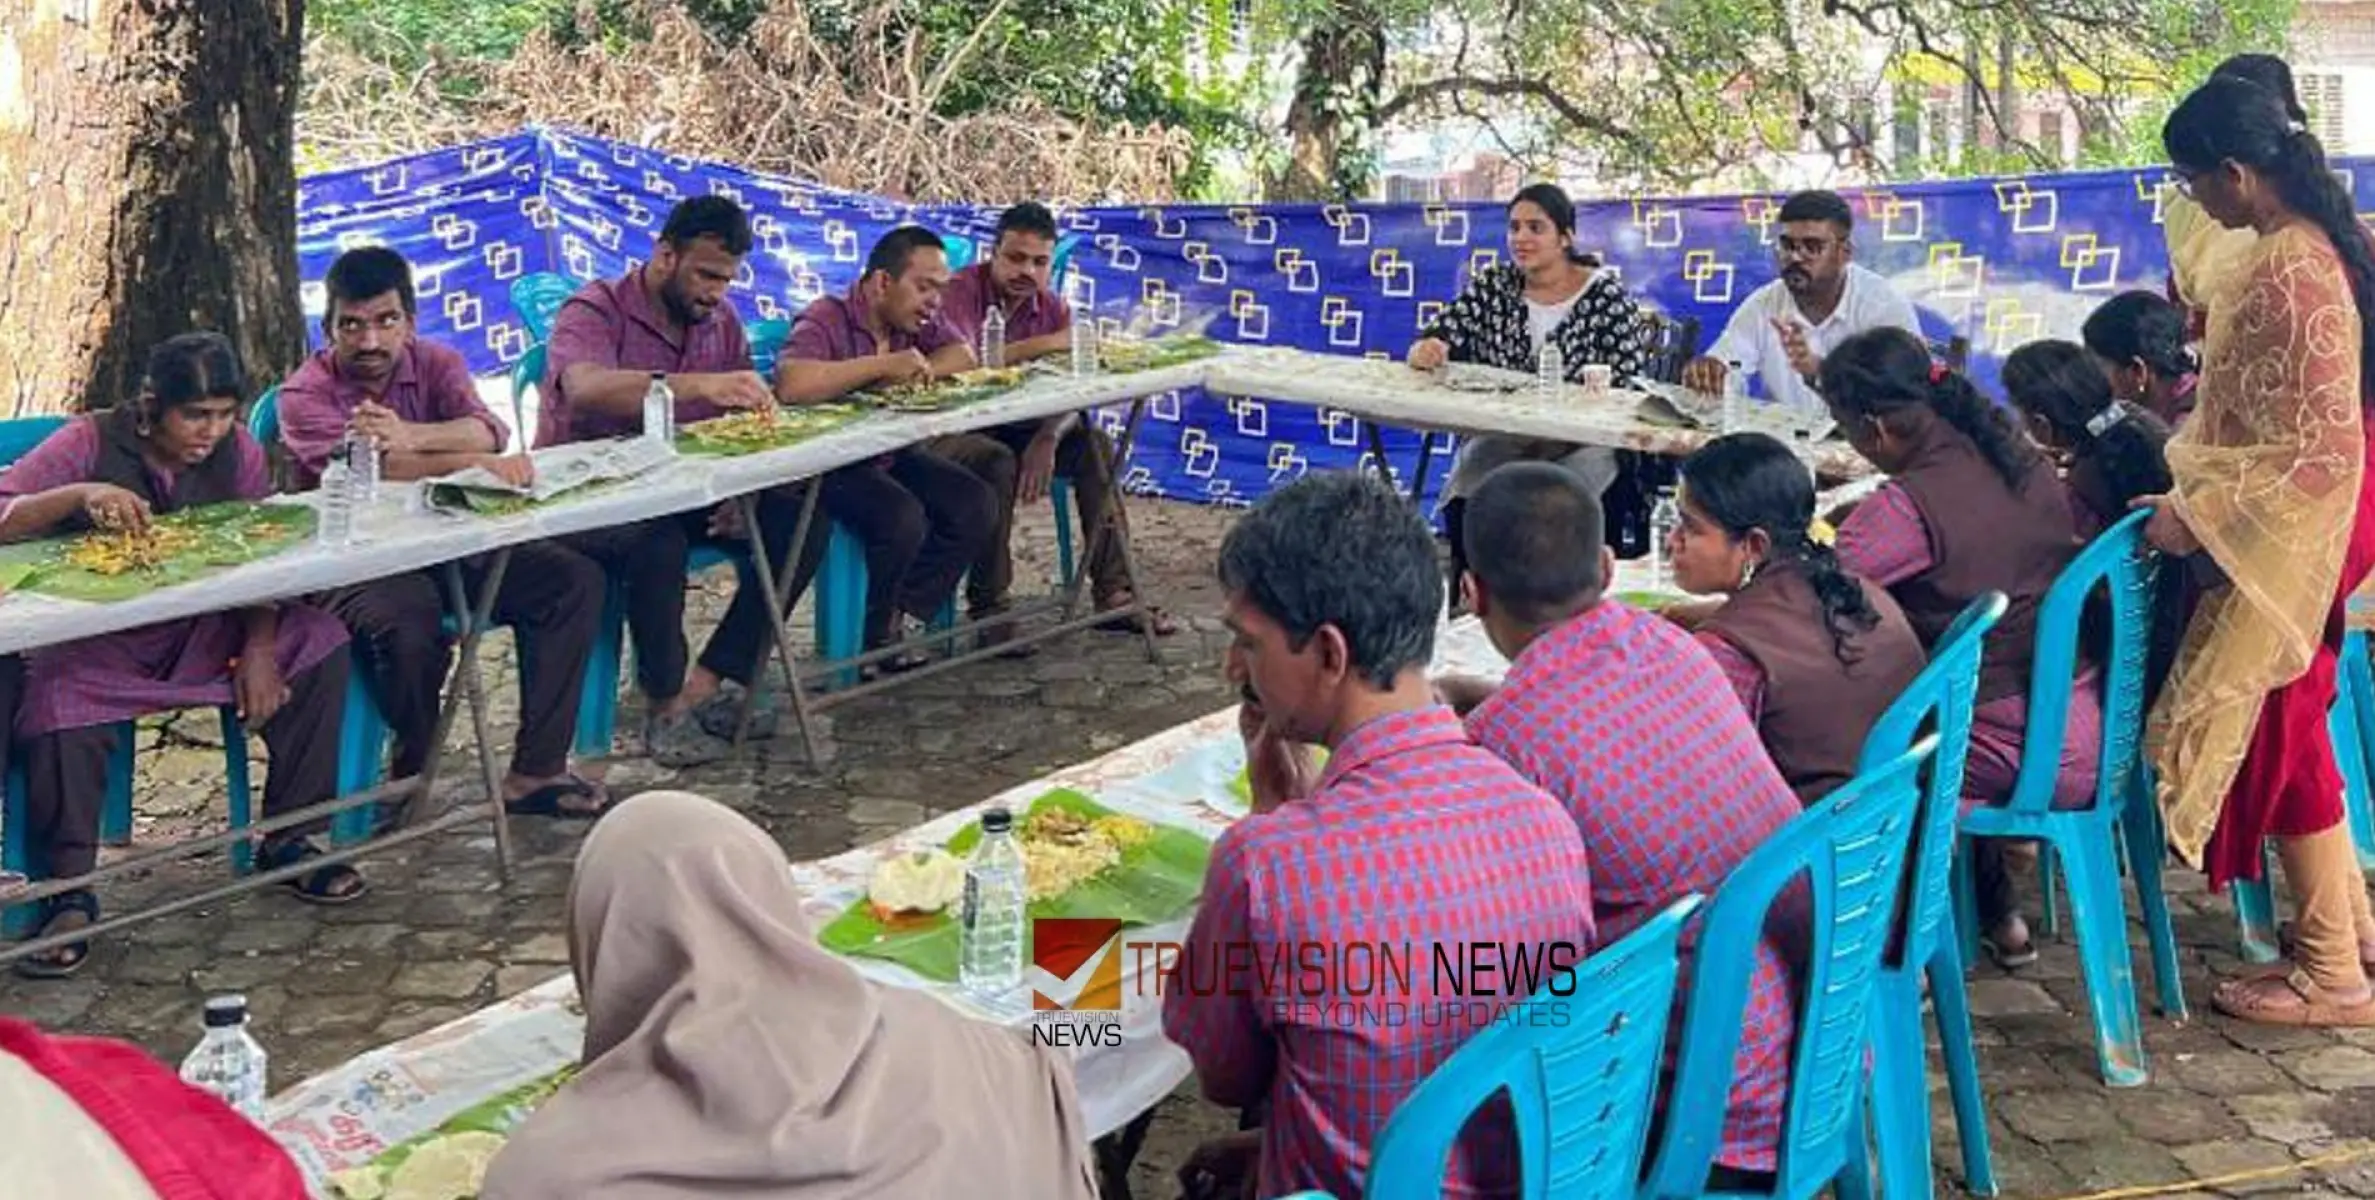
1846, 610
1959, 404
2309, 188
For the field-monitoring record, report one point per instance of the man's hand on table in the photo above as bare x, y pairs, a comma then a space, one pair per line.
725, 389
1704, 375
518, 470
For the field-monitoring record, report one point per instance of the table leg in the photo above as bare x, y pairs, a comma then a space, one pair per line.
1385, 466
1117, 526
476, 618
779, 619
1117, 1152
1418, 481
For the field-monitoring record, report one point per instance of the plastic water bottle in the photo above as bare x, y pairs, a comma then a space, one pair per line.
659, 412
336, 524
1550, 368
1735, 397
1664, 518
990, 929
1084, 344
362, 458
993, 338
228, 1062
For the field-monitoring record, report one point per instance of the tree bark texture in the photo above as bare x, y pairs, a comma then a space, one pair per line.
147, 188
1334, 110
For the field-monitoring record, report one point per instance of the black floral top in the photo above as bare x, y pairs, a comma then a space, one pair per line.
1488, 325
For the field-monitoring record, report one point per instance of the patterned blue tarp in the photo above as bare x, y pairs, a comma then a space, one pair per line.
2000, 261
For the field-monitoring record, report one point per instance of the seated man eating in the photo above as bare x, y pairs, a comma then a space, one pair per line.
379, 379
1014, 281
1412, 839
1628, 721
922, 518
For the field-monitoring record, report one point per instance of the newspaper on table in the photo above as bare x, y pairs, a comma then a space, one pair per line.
560, 470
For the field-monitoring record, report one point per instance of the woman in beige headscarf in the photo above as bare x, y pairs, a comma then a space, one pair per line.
727, 1054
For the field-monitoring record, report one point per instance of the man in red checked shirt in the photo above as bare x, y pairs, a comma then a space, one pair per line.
1630, 723
1411, 838
379, 378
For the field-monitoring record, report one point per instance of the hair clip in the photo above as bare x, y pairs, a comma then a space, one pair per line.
2295, 127
2101, 423
1937, 373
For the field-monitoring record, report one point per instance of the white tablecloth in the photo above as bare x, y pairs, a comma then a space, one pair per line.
395, 541
349, 1115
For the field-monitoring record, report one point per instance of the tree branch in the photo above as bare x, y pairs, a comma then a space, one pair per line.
1502, 88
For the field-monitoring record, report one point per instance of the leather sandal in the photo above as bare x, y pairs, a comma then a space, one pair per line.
2289, 998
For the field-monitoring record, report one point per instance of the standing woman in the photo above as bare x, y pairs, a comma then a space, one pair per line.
2139, 340
179, 444
2269, 480
2203, 252
1549, 292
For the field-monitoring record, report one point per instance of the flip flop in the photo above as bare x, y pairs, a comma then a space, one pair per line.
2259, 999
546, 801
69, 958
318, 886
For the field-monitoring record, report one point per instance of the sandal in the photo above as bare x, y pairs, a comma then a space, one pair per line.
2288, 942
550, 800
69, 958
2010, 955
2289, 998
332, 884
1125, 622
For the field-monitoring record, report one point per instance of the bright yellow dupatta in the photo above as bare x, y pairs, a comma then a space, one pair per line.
2203, 254
2267, 476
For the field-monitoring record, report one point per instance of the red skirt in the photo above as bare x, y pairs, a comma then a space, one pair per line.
2289, 784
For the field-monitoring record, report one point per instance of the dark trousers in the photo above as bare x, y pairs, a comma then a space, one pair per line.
66, 771
552, 597
924, 520
648, 558
1992, 889
1455, 528
984, 452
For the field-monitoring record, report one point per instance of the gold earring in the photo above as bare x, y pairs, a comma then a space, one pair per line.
1748, 572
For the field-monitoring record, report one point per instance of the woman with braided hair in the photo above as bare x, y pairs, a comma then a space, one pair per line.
2269, 482
2139, 341
1971, 507
1815, 653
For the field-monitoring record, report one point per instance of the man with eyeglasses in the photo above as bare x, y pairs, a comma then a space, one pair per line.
415, 397
1822, 298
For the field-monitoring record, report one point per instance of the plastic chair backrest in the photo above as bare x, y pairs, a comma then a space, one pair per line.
1850, 849
767, 336
1580, 1069
960, 251
538, 298
527, 373
1062, 262
2121, 564
263, 420
1939, 699
19, 436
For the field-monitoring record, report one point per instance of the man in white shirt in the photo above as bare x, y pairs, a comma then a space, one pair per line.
1783, 329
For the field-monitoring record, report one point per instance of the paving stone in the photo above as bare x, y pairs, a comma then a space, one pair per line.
453, 908
2011, 997
898, 814
2119, 1162
373, 938
542, 948
2287, 1117
314, 1017
1079, 694
2331, 1068
405, 1019
164, 966
2060, 1116
285, 935
2230, 1156
440, 980
342, 975
55, 1004
450, 943
511, 981
236, 973
2226, 1073
2173, 1117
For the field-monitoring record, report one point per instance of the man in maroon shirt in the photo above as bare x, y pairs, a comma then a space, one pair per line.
1038, 323
417, 399
670, 318
922, 518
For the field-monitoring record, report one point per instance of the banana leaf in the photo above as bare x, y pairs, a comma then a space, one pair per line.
498, 1116
793, 425
229, 535
1155, 882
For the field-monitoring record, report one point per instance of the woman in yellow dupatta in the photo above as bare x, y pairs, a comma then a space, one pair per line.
2205, 254
2269, 481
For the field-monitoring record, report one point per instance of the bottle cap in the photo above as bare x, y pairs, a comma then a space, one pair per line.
997, 820
226, 1010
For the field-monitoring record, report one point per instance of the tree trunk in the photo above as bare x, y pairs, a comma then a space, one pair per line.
1332, 116
147, 188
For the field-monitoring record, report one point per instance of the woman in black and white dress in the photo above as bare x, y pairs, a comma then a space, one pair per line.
1547, 292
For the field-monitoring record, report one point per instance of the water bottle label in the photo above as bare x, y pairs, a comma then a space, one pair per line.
971, 910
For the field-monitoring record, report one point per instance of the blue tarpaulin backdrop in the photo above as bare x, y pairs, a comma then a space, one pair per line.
2000, 261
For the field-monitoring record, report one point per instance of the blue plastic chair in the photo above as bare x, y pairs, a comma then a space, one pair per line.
1940, 699
18, 437
1581, 1072
961, 251
2087, 843
767, 336
1846, 854
538, 299
526, 374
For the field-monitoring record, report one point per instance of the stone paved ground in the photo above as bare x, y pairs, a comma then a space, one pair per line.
438, 937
